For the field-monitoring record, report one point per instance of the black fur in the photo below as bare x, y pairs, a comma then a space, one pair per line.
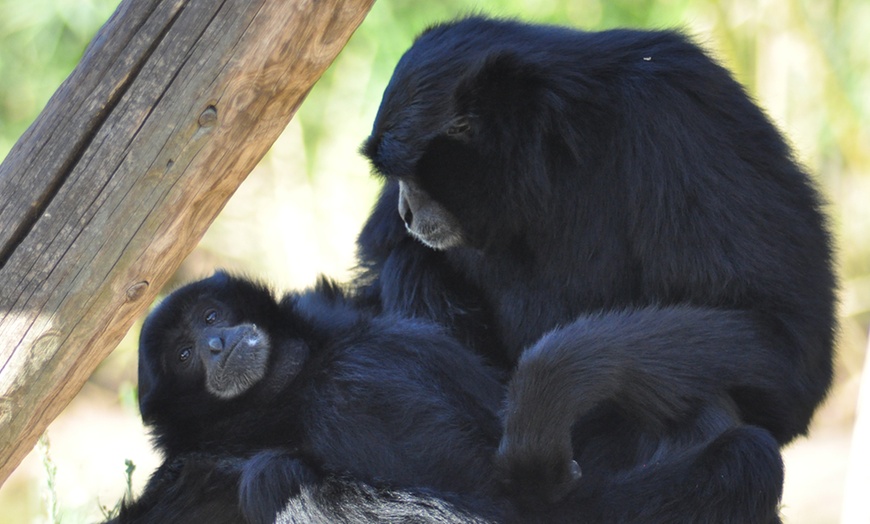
621, 192
189, 488
395, 403
348, 401
214, 489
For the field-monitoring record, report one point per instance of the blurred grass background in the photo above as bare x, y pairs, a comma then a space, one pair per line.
806, 62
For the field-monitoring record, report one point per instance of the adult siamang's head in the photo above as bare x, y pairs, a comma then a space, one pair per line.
499, 133
474, 122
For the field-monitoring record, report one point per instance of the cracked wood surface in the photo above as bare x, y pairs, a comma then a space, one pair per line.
172, 105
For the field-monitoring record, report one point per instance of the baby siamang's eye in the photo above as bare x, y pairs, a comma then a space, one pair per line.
184, 354
211, 316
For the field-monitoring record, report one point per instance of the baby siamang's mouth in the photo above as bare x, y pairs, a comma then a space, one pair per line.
228, 352
251, 340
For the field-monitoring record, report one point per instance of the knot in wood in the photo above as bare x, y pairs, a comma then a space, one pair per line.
136, 291
208, 117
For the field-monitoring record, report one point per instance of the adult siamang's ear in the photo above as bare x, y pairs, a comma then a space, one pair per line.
504, 80
509, 67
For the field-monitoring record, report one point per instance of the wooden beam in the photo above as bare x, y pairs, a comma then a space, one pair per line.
173, 104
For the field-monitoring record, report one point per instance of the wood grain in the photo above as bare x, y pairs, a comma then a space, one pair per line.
173, 104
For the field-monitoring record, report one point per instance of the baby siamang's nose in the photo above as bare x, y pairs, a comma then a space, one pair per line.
215, 344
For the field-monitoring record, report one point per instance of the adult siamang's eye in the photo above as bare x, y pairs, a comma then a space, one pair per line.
460, 126
211, 316
184, 354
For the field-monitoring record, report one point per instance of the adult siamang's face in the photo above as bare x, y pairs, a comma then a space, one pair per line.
459, 131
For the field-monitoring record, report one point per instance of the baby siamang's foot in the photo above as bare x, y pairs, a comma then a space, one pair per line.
533, 479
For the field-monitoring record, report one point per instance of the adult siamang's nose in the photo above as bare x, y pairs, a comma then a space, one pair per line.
215, 344
405, 210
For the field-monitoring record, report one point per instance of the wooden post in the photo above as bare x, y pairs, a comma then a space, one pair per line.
173, 104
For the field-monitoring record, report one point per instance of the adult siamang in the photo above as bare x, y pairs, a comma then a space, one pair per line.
612, 213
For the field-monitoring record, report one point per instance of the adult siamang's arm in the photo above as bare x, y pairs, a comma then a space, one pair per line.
268, 480
658, 364
277, 487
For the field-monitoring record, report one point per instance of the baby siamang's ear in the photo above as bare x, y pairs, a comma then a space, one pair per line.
146, 388
220, 277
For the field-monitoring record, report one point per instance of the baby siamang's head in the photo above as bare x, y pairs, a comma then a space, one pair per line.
207, 342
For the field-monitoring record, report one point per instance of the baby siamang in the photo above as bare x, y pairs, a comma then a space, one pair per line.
611, 211
271, 396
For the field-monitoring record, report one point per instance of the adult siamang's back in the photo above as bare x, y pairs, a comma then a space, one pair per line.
579, 172
621, 188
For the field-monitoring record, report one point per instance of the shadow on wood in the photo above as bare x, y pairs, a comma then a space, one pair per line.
173, 104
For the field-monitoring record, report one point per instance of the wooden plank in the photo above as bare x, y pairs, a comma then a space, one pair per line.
172, 106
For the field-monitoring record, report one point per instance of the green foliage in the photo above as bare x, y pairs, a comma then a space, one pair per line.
44, 446
40, 43
110, 513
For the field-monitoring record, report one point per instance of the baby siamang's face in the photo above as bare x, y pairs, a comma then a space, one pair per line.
211, 340
212, 336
